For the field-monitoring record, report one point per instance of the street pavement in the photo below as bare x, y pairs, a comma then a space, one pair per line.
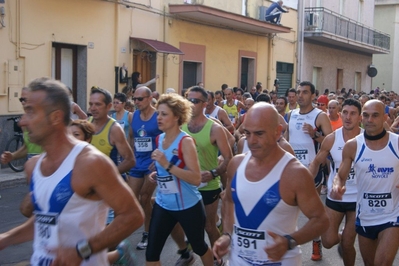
13, 188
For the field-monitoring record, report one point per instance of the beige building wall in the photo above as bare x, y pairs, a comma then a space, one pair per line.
387, 19
332, 67
329, 60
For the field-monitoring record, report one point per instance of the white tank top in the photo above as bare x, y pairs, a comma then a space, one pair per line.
336, 154
378, 172
302, 143
62, 217
258, 208
215, 112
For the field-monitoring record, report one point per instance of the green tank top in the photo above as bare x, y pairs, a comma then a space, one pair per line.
207, 153
101, 140
33, 149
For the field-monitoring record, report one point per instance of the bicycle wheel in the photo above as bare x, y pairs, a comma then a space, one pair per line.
14, 144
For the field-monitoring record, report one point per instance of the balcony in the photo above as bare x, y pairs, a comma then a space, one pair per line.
327, 27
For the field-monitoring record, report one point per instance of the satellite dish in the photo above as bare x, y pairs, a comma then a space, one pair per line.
372, 71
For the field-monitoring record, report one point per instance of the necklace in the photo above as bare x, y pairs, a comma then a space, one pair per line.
376, 137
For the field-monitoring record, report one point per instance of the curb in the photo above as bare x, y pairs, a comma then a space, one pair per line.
20, 181
9, 178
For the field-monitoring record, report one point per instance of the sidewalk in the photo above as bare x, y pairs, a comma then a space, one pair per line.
9, 178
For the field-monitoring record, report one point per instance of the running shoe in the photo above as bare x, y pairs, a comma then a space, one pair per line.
144, 242
317, 253
185, 261
128, 257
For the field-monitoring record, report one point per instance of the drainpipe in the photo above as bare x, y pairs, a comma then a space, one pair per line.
164, 65
270, 61
301, 24
116, 50
18, 33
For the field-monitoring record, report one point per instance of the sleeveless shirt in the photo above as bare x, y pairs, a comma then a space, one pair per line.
62, 217
173, 193
336, 154
301, 142
258, 208
207, 153
378, 197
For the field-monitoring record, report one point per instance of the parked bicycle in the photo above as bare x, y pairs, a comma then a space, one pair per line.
16, 142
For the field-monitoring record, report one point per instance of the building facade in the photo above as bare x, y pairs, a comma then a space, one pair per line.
386, 18
87, 43
339, 43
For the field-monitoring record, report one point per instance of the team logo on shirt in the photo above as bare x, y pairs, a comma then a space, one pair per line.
298, 126
142, 132
271, 198
379, 172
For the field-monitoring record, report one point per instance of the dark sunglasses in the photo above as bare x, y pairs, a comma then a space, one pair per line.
195, 101
140, 99
22, 99
321, 104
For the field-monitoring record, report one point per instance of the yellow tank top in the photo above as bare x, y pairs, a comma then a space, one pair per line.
101, 140
232, 111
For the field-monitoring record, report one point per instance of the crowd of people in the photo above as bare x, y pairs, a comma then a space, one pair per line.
265, 157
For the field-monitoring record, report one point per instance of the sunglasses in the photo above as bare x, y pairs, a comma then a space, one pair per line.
22, 99
140, 99
117, 102
195, 101
321, 104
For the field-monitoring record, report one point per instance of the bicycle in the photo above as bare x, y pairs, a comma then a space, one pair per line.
14, 144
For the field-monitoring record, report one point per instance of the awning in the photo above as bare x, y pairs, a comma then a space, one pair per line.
219, 18
157, 46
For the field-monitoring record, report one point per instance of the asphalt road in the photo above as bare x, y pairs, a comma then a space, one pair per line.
19, 255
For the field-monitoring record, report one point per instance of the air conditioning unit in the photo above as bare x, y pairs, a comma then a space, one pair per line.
313, 20
262, 13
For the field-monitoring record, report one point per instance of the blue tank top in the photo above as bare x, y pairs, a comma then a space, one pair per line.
124, 122
145, 133
173, 193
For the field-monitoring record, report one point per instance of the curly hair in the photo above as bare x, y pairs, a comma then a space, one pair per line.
180, 107
85, 126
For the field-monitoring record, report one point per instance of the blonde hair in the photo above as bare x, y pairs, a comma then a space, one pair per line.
180, 107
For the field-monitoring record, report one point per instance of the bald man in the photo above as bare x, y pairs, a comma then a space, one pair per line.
375, 158
268, 232
334, 115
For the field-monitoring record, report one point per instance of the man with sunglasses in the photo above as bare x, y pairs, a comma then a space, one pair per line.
307, 127
142, 139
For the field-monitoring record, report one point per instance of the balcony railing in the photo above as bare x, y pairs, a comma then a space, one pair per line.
319, 19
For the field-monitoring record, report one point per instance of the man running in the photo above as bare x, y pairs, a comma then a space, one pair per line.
375, 159
338, 209
262, 200
72, 185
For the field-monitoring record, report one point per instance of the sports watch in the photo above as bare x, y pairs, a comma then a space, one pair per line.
84, 250
214, 173
291, 242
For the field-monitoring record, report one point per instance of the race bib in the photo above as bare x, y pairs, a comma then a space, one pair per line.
46, 235
232, 118
377, 203
302, 156
167, 185
250, 244
143, 144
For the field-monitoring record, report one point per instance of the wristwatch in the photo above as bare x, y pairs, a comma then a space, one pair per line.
291, 242
84, 250
316, 135
214, 173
